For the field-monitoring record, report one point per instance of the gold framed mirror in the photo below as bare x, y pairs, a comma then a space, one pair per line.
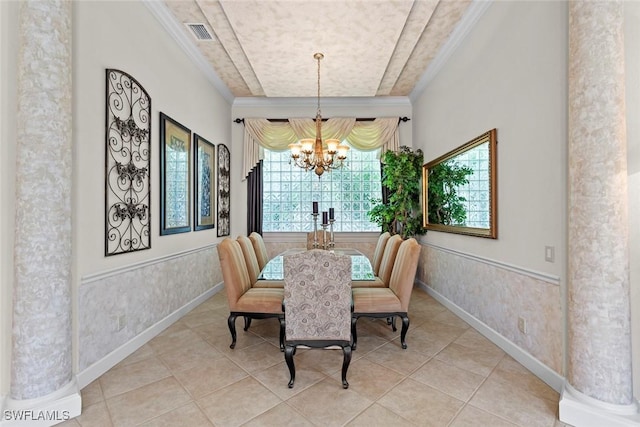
459, 189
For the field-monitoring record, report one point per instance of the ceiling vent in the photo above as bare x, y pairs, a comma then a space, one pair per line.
199, 31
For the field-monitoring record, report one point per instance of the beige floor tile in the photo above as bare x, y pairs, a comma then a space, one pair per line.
368, 343
370, 379
510, 371
191, 355
142, 353
69, 423
474, 339
376, 415
474, 360
513, 404
449, 379
199, 318
121, 379
92, 394
96, 415
422, 341
441, 332
147, 402
175, 327
474, 417
188, 415
276, 378
257, 357
328, 404
421, 404
238, 403
326, 361
202, 380
281, 415
445, 316
166, 342
221, 342
397, 359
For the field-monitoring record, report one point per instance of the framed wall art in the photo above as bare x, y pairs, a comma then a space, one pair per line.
127, 165
204, 188
175, 177
224, 190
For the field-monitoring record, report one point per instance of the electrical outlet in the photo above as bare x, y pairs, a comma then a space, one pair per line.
522, 325
549, 253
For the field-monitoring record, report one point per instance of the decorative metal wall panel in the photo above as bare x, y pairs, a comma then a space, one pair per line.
128, 155
224, 190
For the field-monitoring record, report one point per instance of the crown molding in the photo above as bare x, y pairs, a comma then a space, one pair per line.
373, 101
174, 28
476, 9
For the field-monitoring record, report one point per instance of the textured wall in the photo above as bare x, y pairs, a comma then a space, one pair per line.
145, 295
498, 296
41, 354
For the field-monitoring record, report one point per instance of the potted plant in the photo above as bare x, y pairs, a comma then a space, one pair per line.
401, 212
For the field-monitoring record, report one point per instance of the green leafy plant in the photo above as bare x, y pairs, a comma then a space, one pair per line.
445, 206
401, 173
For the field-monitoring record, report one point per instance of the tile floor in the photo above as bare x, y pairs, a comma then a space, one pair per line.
450, 375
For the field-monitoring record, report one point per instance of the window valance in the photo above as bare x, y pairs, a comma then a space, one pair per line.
260, 133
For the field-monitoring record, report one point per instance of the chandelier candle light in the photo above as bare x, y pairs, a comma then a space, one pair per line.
317, 154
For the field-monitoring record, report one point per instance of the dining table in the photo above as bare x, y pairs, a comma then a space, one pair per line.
360, 265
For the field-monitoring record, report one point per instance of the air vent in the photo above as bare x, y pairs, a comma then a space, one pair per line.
200, 31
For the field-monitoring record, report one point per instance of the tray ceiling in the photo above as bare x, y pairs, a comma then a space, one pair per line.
264, 48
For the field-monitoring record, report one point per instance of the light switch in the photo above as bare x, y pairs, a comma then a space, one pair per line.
549, 253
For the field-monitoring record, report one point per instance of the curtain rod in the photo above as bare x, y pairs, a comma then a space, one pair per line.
362, 119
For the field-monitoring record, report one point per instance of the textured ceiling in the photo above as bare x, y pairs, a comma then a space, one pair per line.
264, 48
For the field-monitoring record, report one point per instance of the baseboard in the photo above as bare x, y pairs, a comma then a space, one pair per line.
578, 409
110, 360
45, 411
542, 371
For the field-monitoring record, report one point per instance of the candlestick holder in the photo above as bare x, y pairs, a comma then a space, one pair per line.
324, 236
332, 243
315, 230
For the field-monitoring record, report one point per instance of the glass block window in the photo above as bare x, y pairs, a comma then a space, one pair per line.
477, 190
288, 193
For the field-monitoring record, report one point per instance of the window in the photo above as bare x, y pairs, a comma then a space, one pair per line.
288, 193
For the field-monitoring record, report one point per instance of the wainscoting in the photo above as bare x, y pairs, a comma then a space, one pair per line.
492, 297
120, 310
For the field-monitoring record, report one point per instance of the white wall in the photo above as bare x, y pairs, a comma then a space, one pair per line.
510, 74
126, 36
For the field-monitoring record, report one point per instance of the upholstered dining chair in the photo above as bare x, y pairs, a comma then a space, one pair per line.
251, 303
317, 305
381, 280
394, 300
379, 252
260, 249
253, 266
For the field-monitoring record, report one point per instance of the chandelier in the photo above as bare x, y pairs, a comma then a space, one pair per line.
316, 154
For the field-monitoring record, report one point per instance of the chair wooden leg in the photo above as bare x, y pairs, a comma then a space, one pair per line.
405, 328
281, 320
354, 333
231, 321
247, 323
346, 350
392, 321
288, 357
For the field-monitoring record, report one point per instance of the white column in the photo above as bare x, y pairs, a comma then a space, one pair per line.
599, 388
41, 358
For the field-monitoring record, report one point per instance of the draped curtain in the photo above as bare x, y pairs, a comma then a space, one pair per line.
254, 200
260, 133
